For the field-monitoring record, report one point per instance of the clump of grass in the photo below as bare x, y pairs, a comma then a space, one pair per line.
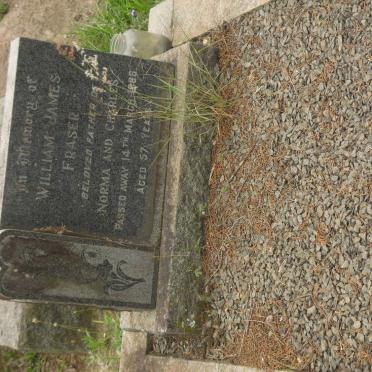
112, 17
104, 344
199, 103
4, 7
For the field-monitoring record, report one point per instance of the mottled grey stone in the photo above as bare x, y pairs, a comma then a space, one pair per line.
78, 147
53, 268
1, 110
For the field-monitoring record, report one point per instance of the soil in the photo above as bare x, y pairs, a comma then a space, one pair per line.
49, 20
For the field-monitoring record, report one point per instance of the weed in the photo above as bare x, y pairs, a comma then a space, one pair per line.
35, 362
4, 7
202, 102
62, 366
104, 344
8, 355
197, 102
187, 324
112, 17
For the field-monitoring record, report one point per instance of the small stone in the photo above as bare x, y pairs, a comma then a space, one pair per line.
269, 319
323, 345
319, 211
311, 310
208, 324
351, 342
357, 324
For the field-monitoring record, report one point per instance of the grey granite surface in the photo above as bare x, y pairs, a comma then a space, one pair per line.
80, 147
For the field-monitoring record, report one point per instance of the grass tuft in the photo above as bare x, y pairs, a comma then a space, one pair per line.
112, 17
4, 7
104, 344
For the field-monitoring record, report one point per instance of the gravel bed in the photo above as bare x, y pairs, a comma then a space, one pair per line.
289, 232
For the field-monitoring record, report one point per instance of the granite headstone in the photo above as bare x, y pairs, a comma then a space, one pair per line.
77, 149
83, 171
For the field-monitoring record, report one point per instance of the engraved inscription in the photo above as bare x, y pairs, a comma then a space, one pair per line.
104, 189
23, 150
46, 168
71, 147
89, 142
48, 140
84, 145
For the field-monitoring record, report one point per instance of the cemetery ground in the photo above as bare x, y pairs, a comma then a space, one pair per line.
287, 254
103, 345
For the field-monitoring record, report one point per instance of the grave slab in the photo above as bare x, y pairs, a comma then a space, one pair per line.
184, 20
79, 145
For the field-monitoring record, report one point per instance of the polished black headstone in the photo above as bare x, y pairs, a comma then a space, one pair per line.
41, 267
79, 143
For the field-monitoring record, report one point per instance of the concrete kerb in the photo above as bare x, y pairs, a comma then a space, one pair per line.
147, 320
161, 19
183, 20
134, 358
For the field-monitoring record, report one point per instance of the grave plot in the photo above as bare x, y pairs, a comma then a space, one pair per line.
288, 236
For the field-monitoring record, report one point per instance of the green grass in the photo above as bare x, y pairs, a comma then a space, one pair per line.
4, 7
203, 103
112, 17
104, 344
